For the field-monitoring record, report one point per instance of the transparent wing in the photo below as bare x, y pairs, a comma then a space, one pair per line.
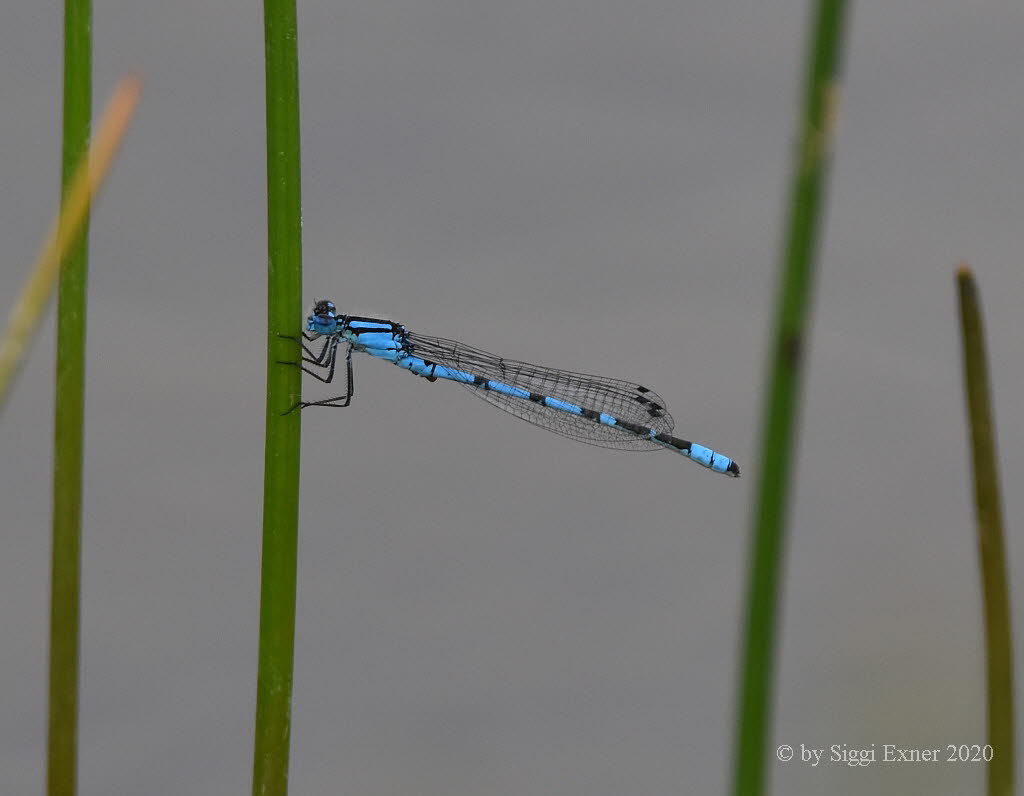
621, 399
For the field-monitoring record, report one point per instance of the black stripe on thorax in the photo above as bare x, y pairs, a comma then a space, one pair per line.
396, 329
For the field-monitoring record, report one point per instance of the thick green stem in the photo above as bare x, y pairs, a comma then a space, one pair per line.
281, 462
65, 576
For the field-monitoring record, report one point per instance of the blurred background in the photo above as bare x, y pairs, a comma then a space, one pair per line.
486, 608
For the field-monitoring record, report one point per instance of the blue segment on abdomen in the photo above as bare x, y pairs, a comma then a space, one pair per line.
432, 371
441, 372
507, 389
554, 403
709, 458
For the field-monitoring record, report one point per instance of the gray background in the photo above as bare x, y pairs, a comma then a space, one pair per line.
485, 608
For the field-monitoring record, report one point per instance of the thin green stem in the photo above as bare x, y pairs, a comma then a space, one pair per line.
992, 551
782, 394
281, 462
65, 576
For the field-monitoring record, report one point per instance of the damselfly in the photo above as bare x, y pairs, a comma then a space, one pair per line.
592, 409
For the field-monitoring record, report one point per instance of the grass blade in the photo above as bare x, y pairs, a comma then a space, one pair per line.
28, 307
782, 394
991, 549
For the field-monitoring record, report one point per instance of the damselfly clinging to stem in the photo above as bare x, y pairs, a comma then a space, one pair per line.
592, 409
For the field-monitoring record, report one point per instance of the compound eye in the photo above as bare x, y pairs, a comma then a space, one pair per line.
324, 307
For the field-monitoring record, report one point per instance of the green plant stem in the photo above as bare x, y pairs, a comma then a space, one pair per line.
992, 551
65, 575
281, 462
782, 395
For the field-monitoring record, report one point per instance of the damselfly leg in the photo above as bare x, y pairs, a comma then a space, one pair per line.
326, 359
314, 358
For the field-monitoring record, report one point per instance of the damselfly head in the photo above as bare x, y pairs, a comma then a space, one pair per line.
323, 319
